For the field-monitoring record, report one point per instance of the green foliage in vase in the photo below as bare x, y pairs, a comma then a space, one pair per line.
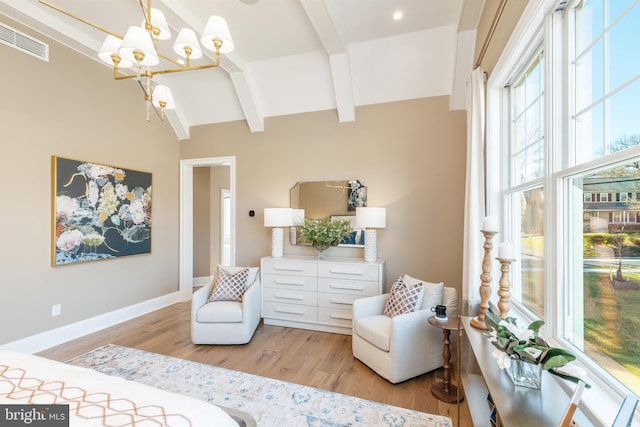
324, 233
526, 344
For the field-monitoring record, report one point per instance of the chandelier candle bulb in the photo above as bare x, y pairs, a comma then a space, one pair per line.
490, 223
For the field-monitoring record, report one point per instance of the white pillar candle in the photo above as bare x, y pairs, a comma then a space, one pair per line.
490, 223
506, 251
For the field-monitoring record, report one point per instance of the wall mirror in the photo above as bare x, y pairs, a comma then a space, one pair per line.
330, 200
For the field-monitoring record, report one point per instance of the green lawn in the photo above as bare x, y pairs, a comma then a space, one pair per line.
612, 320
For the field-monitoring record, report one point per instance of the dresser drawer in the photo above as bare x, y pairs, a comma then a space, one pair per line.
290, 296
335, 316
339, 301
349, 271
302, 283
355, 287
289, 311
293, 268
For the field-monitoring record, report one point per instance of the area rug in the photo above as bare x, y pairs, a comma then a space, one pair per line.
271, 402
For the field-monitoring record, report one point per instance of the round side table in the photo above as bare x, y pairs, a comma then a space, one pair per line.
446, 391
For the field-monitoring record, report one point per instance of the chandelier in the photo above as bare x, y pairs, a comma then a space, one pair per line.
139, 49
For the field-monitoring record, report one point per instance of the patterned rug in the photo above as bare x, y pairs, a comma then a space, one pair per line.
271, 402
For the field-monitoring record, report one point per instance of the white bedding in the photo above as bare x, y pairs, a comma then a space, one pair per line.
92, 396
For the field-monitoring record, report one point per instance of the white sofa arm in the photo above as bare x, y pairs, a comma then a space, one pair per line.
198, 299
369, 306
450, 299
252, 300
405, 326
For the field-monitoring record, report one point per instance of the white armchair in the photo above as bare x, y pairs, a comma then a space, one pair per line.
225, 322
401, 347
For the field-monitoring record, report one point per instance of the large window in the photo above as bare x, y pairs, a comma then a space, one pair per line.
525, 193
606, 74
568, 150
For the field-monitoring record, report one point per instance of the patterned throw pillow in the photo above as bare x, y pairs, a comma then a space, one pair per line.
402, 298
229, 286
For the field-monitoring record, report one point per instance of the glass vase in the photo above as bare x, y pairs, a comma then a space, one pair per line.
525, 374
320, 247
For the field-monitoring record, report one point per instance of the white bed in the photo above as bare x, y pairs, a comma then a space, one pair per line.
93, 397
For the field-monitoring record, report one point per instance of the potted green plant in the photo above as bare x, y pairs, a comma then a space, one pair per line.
324, 233
524, 353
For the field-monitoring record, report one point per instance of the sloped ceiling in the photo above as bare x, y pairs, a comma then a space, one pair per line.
290, 56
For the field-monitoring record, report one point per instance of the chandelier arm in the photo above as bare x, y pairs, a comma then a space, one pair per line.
177, 70
79, 18
146, 73
166, 58
146, 13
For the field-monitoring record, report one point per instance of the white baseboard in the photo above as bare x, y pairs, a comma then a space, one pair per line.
47, 339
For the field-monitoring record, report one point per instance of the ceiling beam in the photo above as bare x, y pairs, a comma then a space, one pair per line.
232, 64
338, 57
254, 118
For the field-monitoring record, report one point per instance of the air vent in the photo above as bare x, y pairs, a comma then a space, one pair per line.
23, 42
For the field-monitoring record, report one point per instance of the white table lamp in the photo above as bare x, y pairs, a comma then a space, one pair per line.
277, 218
370, 219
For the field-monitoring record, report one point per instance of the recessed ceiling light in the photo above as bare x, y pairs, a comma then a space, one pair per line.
397, 15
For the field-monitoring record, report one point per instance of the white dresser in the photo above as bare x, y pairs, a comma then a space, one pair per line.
316, 293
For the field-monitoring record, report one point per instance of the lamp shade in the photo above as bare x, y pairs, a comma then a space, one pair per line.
367, 217
162, 93
138, 39
187, 38
298, 216
159, 22
109, 47
217, 28
278, 217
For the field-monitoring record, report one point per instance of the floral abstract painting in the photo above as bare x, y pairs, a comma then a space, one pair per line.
99, 212
357, 195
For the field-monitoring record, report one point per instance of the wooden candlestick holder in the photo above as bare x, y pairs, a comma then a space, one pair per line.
504, 304
485, 279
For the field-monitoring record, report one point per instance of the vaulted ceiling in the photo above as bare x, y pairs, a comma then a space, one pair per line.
290, 56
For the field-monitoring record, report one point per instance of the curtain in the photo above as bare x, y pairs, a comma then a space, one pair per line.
474, 211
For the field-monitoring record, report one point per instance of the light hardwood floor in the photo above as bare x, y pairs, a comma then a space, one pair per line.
315, 359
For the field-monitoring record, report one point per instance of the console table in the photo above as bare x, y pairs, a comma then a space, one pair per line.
516, 406
316, 293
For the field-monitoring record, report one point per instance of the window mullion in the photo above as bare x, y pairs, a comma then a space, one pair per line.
554, 131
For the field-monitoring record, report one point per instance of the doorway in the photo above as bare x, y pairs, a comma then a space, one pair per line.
186, 216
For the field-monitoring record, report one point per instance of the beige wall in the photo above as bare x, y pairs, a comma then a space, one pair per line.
202, 211
410, 155
75, 111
